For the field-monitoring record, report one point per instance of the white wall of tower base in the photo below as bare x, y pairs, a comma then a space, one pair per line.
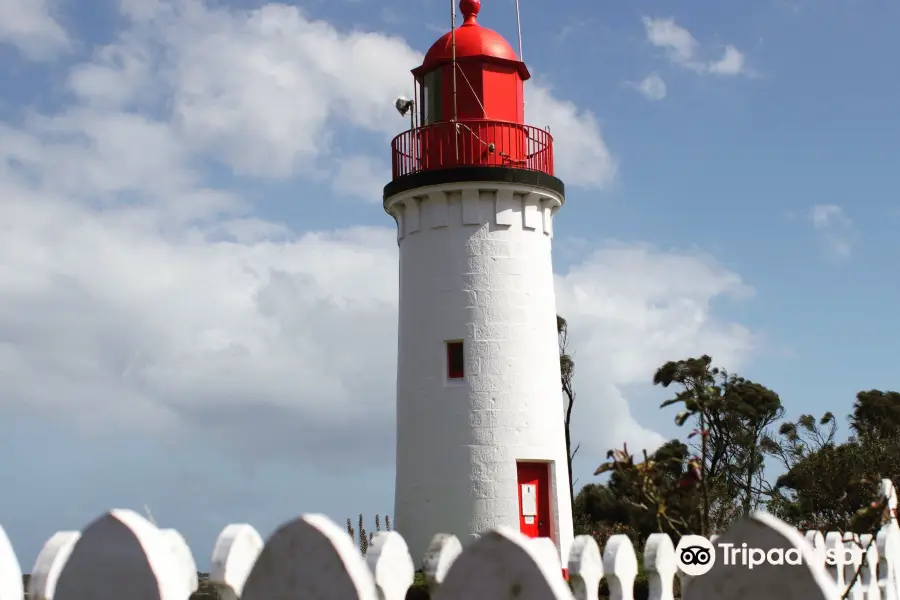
475, 265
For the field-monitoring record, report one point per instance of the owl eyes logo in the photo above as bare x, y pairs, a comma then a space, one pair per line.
695, 555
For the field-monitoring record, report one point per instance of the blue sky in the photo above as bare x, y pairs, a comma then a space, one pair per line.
198, 283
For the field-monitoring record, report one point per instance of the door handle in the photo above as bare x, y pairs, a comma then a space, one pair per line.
540, 524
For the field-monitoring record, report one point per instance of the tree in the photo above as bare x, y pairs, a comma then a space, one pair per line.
567, 372
828, 485
732, 415
658, 494
746, 412
705, 484
797, 440
824, 490
697, 381
876, 413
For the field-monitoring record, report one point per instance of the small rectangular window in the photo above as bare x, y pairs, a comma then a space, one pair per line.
455, 360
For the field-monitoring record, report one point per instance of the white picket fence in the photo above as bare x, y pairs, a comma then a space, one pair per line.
122, 556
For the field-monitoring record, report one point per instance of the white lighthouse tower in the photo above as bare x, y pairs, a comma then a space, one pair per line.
480, 439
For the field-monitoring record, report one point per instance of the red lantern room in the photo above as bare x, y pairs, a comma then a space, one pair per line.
469, 112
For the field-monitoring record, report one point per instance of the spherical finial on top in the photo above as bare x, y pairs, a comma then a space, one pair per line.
469, 9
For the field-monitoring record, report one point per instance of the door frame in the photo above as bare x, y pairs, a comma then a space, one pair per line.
552, 508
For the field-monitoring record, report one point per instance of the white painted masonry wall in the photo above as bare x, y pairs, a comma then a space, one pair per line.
475, 265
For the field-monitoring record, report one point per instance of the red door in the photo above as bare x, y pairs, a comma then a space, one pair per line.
534, 499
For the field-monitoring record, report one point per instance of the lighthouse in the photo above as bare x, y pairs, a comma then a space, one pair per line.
480, 439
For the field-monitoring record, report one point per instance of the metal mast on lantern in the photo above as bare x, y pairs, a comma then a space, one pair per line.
519, 29
521, 56
453, 49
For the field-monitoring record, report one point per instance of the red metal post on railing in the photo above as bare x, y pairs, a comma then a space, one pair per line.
480, 143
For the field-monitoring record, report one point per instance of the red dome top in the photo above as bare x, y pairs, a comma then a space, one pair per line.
472, 40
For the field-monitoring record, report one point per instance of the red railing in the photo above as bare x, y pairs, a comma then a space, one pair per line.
472, 144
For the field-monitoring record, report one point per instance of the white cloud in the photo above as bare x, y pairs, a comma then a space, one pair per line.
30, 26
112, 324
732, 63
677, 41
684, 50
824, 216
119, 76
835, 227
630, 309
580, 154
137, 297
652, 87
117, 326
265, 91
361, 177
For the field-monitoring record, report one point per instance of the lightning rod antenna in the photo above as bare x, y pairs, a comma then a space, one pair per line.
519, 29
453, 45
521, 56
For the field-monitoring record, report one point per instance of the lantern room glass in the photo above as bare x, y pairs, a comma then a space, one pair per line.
431, 101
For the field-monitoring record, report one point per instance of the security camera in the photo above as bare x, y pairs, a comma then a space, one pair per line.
403, 105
